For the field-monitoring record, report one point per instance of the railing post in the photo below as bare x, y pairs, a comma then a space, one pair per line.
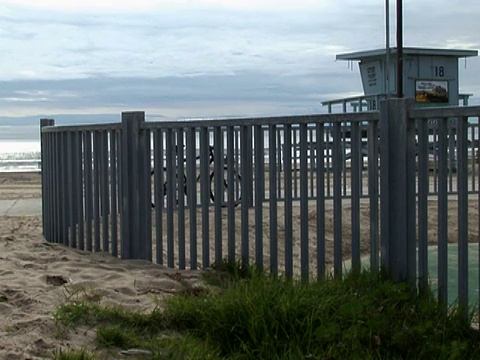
46, 176
134, 240
397, 190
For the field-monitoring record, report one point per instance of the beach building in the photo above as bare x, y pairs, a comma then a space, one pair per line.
430, 76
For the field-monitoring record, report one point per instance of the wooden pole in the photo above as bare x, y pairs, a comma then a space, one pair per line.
387, 47
399, 49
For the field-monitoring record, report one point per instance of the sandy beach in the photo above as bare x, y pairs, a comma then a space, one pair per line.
20, 185
37, 276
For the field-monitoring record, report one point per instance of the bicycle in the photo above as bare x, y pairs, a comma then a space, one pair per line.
236, 176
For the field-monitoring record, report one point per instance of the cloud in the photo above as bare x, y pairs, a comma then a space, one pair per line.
149, 5
205, 58
179, 97
63, 45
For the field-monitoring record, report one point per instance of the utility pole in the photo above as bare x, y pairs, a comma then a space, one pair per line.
387, 47
399, 49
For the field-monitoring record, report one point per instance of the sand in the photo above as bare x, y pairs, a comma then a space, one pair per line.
21, 185
36, 276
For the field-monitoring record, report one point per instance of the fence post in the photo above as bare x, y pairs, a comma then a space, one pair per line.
397, 190
46, 174
134, 244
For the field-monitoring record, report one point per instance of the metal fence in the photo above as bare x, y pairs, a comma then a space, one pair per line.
298, 195
406, 203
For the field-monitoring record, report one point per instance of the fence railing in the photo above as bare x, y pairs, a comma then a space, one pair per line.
370, 102
298, 195
406, 205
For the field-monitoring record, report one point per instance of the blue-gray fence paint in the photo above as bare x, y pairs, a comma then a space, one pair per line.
93, 174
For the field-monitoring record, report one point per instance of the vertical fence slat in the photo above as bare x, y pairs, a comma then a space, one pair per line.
245, 170
96, 191
259, 193
423, 189
54, 184
181, 199
144, 195
113, 185
462, 186
442, 211
75, 185
62, 236
59, 188
52, 187
248, 143
46, 163
304, 253
273, 197
373, 192
205, 194
160, 192
296, 148
79, 189
65, 209
88, 190
320, 203
231, 193
104, 190
337, 163
46, 195
287, 165
355, 170
120, 186
218, 181
192, 193
435, 157
171, 194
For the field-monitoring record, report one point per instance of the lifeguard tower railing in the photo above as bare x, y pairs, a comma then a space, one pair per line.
369, 103
100, 194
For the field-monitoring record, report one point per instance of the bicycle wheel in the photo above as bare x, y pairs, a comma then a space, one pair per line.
237, 187
152, 173
176, 190
165, 187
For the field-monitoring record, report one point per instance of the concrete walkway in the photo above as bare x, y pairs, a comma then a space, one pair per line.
21, 207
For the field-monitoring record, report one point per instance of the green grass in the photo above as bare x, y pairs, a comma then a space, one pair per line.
75, 355
250, 315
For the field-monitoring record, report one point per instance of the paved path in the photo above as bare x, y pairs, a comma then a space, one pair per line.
21, 207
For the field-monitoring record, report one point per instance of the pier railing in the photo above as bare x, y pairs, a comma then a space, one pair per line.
298, 195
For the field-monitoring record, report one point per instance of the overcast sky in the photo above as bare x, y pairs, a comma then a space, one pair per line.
207, 58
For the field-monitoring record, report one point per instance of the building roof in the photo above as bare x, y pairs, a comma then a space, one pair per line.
362, 55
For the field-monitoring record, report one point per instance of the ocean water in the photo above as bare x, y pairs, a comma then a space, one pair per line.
19, 156
24, 155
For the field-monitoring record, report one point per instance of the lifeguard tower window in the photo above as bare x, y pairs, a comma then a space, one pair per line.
430, 76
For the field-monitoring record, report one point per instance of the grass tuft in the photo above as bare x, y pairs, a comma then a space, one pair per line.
254, 315
362, 316
74, 355
226, 272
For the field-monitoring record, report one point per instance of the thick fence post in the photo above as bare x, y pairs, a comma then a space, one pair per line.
134, 240
397, 185
46, 176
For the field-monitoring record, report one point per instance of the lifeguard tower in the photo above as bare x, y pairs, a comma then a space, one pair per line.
430, 76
